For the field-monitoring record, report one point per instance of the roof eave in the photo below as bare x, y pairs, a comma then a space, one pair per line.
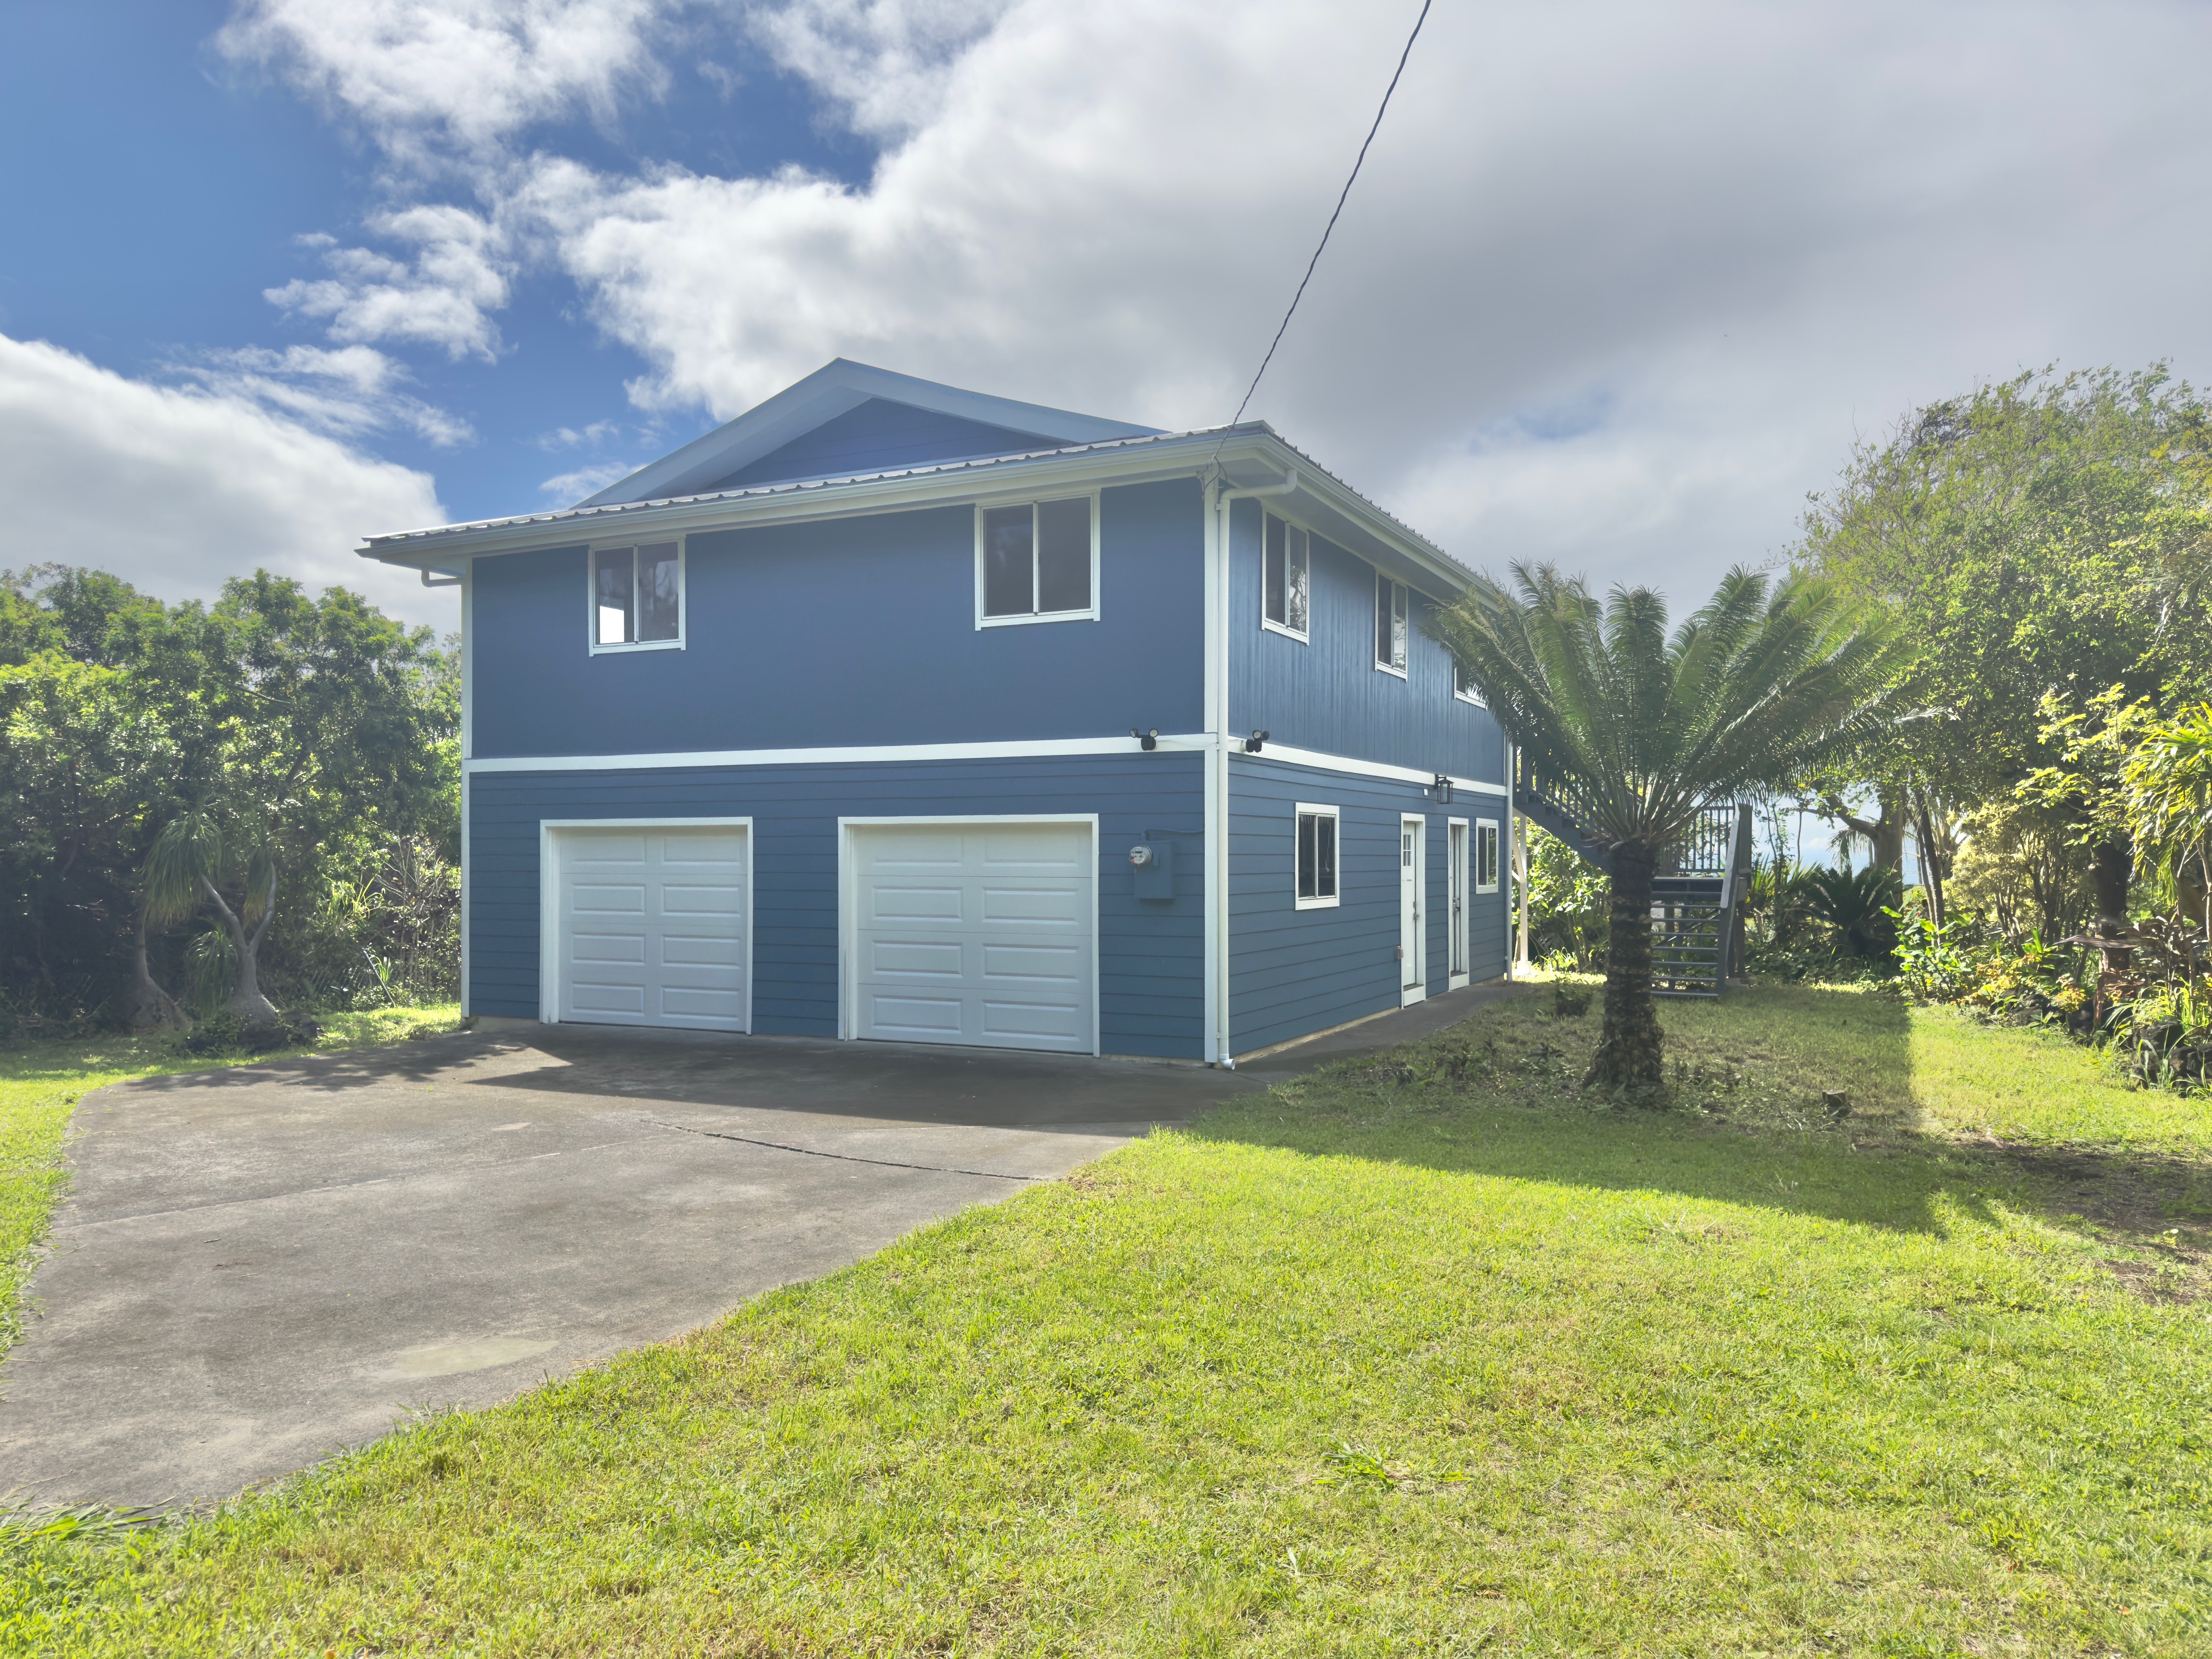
1251, 454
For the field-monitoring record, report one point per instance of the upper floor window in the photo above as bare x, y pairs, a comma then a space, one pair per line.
637, 596
1393, 615
1286, 596
1038, 562
1465, 689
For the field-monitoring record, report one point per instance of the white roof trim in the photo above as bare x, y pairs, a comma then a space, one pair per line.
1247, 455
828, 392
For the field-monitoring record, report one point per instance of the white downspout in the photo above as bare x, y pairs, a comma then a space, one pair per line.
1217, 764
468, 753
1513, 859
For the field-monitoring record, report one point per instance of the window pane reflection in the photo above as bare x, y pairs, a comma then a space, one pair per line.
615, 602
1009, 588
657, 613
1063, 576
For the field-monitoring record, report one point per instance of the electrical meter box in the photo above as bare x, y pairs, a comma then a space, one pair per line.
1153, 863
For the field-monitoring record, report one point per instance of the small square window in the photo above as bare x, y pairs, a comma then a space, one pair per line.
1392, 611
1464, 688
637, 596
1317, 857
1038, 562
1285, 594
1485, 856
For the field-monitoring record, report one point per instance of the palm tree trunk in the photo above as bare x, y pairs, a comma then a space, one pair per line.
150, 1008
253, 1010
1628, 1052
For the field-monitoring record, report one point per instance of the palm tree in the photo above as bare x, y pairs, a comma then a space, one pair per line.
1766, 682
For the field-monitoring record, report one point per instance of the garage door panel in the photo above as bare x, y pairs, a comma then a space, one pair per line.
699, 850
1056, 1022
935, 959
1062, 964
701, 1002
680, 956
895, 906
598, 998
917, 1019
606, 947
677, 899
975, 934
600, 898
1057, 846
1031, 907
690, 951
587, 849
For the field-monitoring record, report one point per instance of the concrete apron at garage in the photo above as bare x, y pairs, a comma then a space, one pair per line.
258, 1266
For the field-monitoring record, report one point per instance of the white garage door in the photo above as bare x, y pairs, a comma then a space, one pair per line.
653, 926
976, 934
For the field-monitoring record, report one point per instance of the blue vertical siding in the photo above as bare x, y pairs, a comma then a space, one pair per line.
1150, 952
834, 632
1293, 972
1325, 694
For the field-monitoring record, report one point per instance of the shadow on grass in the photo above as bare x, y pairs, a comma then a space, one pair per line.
1752, 1119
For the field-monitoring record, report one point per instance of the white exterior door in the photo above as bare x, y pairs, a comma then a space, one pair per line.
1412, 850
653, 926
978, 934
1455, 886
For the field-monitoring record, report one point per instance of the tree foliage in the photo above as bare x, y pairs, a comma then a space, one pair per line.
2047, 533
263, 747
1637, 730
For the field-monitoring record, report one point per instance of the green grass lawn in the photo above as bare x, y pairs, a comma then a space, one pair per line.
42, 1080
1423, 1354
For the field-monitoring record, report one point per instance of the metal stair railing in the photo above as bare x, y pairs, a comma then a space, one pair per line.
1698, 883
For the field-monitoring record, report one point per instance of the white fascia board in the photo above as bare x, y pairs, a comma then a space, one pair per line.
1254, 455
1018, 478
857, 754
1316, 761
831, 391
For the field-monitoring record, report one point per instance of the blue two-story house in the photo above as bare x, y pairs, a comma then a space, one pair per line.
891, 711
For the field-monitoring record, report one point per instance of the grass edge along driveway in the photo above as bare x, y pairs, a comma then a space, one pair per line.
42, 1081
1420, 1354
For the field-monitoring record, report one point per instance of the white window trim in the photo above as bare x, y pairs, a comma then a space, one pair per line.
1474, 696
1098, 530
1475, 852
592, 597
1267, 624
1300, 810
1382, 667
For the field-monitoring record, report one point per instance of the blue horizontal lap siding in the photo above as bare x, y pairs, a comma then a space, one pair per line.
1293, 972
833, 632
1325, 693
1150, 952
881, 436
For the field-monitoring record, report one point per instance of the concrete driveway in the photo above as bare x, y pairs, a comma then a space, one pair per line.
258, 1266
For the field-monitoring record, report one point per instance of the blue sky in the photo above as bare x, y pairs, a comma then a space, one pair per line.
1619, 285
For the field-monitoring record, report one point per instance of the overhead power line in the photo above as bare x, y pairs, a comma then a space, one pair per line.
1341, 201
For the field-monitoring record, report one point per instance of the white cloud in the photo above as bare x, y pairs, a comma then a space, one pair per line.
459, 277
435, 81
1619, 284
176, 488
567, 488
347, 393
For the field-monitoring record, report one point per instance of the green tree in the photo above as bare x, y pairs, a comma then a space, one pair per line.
1767, 681
2045, 532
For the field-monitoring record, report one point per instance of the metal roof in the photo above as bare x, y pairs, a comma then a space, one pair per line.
403, 543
